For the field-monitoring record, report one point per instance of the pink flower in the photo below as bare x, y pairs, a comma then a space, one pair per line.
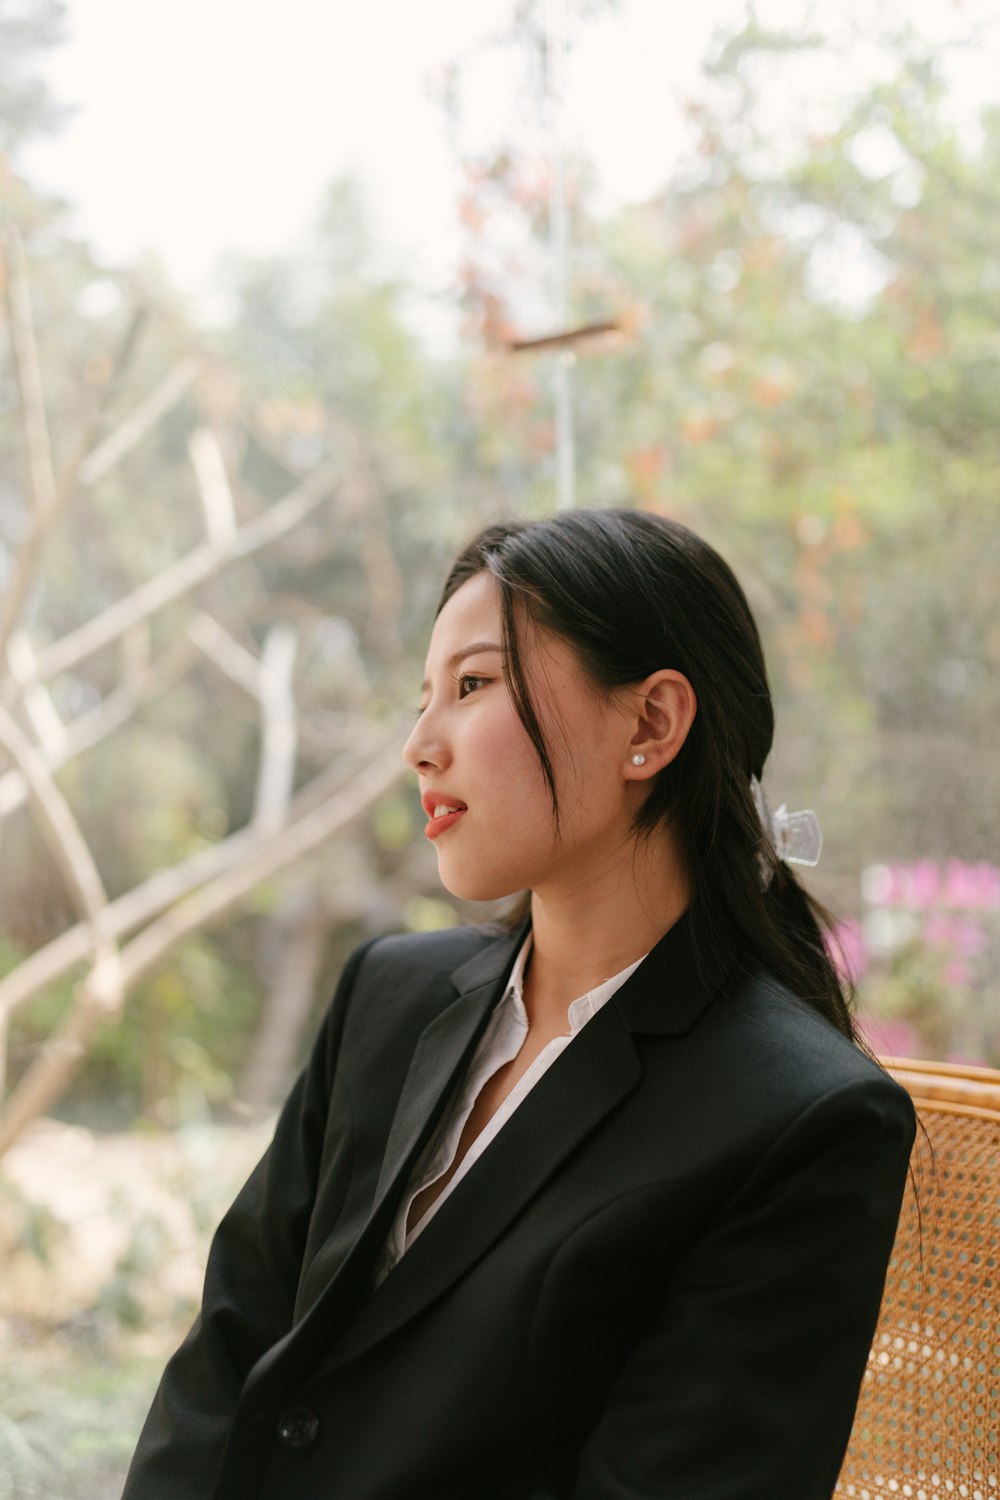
923, 884
972, 887
848, 950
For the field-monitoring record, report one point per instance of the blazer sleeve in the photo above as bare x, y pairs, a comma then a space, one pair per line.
253, 1272
745, 1383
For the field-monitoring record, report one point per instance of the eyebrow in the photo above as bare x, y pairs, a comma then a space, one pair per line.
457, 656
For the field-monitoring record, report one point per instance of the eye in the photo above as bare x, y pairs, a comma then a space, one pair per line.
468, 682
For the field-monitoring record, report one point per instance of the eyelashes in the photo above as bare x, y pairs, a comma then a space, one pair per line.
461, 679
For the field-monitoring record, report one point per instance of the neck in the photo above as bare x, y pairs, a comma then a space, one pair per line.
587, 929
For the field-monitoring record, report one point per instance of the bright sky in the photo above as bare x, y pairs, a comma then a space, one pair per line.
208, 125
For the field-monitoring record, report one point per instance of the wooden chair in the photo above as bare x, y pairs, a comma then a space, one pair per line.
928, 1422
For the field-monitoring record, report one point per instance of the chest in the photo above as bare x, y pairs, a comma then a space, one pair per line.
493, 1094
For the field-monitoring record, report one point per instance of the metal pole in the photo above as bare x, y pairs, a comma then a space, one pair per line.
556, 44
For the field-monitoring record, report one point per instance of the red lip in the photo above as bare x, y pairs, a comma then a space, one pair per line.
435, 826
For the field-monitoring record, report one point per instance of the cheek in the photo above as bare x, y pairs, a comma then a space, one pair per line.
507, 749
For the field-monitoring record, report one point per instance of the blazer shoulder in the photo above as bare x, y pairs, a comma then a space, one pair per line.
795, 1049
403, 980
409, 956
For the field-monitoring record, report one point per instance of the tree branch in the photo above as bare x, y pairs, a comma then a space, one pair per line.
61, 1056
102, 990
198, 565
38, 704
114, 710
57, 823
155, 895
135, 426
213, 484
239, 664
39, 468
279, 738
274, 855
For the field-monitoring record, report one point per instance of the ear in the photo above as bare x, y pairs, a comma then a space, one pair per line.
663, 708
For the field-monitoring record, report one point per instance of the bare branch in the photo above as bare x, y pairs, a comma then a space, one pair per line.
38, 704
229, 656
125, 915
97, 997
60, 828
99, 402
279, 739
213, 484
39, 468
155, 895
52, 1069
103, 987
97, 723
200, 564
128, 433
274, 855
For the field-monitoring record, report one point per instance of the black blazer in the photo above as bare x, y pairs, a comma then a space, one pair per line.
661, 1279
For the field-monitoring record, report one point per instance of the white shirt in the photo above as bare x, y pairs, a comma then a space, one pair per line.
499, 1044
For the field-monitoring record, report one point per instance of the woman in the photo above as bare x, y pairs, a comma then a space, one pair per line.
597, 1207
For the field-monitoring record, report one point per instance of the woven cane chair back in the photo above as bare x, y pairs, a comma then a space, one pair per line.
928, 1422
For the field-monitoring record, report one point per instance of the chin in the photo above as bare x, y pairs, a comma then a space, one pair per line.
478, 885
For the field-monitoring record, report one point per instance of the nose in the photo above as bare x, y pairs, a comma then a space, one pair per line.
424, 750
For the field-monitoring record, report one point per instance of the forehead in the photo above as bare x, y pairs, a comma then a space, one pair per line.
468, 624
471, 622
475, 607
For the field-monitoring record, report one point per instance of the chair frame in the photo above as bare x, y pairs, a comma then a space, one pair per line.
973, 1093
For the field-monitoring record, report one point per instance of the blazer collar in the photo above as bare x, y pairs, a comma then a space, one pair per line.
492, 963
665, 995
675, 981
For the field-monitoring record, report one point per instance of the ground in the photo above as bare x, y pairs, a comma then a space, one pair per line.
103, 1239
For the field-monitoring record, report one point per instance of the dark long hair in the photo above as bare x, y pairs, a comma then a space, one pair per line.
632, 593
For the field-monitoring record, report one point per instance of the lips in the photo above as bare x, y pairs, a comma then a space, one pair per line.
442, 812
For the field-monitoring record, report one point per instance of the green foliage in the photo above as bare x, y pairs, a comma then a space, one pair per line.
121, 1297
68, 1424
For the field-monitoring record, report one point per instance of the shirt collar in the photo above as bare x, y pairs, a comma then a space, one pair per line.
583, 1008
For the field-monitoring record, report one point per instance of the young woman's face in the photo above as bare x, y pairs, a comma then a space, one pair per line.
489, 809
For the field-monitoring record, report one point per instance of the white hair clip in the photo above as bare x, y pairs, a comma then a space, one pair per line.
795, 837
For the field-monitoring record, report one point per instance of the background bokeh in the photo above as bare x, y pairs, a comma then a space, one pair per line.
227, 498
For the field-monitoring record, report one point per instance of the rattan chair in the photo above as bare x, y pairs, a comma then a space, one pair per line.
928, 1422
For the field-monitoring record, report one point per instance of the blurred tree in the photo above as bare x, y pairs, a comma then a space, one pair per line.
807, 372
205, 633
812, 386
27, 108
222, 655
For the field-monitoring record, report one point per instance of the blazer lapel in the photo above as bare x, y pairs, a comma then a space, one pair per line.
674, 983
440, 1058
343, 1265
583, 1085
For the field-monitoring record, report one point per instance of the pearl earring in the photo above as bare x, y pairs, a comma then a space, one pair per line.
638, 760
